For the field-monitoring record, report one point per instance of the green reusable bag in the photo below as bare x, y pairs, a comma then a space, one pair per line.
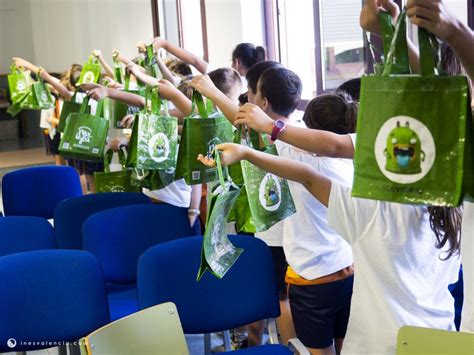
240, 213
85, 136
154, 137
118, 73
217, 253
268, 195
201, 133
90, 71
38, 97
69, 107
116, 181
413, 142
19, 82
153, 145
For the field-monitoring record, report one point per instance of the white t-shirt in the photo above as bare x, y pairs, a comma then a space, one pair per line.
400, 278
311, 247
467, 250
273, 237
178, 194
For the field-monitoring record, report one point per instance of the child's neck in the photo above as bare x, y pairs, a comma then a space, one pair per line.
274, 116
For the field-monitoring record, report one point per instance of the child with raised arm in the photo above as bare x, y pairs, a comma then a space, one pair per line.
436, 18
402, 270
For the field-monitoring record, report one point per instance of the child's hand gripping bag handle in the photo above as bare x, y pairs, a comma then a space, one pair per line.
396, 61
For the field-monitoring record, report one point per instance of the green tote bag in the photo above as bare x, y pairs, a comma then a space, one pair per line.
69, 107
116, 181
85, 136
19, 82
90, 71
201, 133
414, 135
268, 195
218, 254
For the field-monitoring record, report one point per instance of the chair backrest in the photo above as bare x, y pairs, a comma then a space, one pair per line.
70, 214
19, 234
156, 329
36, 191
422, 341
117, 237
49, 296
247, 293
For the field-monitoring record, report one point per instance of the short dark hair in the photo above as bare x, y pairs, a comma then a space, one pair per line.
226, 80
256, 71
248, 54
352, 87
282, 88
332, 112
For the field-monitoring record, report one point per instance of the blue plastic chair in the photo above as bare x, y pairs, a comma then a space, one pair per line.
71, 214
37, 191
247, 293
49, 296
20, 234
117, 237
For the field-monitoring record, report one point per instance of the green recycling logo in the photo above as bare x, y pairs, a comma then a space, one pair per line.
404, 149
270, 192
159, 147
83, 135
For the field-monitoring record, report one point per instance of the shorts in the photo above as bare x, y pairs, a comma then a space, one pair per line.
86, 167
279, 260
52, 145
321, 312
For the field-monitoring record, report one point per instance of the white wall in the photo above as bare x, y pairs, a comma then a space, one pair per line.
57, 33
230, 22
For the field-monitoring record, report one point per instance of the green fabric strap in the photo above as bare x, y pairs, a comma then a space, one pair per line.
217, 157
84, 105
397, 60
428, 51
100, 109
204, 109
127, 81
387, 31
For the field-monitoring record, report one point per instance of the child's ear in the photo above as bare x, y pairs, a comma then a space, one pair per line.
265, 105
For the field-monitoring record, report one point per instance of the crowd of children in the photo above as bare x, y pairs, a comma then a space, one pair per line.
350, 272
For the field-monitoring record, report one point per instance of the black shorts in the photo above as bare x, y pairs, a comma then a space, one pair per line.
52, 145
279, 260
86, 167
321, 312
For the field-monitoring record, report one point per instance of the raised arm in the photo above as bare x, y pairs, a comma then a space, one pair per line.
436, 18
108, 69
184, 55
323, 143
206, 87
136, 70
318, 185
167, 75
55, 83
369, 21
99, 92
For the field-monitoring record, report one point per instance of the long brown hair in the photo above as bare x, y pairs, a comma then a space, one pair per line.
445, 222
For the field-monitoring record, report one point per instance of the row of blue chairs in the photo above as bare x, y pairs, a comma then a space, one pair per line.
59, 295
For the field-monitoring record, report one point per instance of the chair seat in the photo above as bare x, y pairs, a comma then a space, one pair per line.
123, 300
274, 349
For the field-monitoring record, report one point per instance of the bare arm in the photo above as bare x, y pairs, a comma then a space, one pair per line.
323, 143
206, 87
55, 83
167, 75
196, 193
318, 185
99, 92
135, 69
184, 55
436, 18
98, 54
